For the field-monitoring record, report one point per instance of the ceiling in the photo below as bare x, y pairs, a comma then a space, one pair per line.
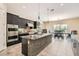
32, 10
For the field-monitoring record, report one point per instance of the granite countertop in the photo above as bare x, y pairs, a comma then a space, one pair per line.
35, 36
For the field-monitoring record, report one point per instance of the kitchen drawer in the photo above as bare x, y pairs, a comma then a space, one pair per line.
12, 33
12, 26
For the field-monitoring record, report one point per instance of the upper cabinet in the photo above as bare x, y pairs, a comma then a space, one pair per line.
21, 22
12, 19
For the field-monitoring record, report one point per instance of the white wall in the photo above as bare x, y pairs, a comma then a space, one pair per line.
2, 26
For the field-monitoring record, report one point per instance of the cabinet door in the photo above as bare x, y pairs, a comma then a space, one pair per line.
22, 23
35, 25
12, 19
9, 18
15, 20
2, 30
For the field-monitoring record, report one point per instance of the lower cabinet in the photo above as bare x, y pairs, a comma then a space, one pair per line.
34, 47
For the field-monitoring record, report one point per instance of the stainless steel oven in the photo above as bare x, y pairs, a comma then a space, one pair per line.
12, 34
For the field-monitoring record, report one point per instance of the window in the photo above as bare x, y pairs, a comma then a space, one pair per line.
60, 27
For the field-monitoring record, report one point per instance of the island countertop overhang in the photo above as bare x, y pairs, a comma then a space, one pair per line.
36, 36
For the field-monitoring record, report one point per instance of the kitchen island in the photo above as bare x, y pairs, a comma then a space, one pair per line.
32, 45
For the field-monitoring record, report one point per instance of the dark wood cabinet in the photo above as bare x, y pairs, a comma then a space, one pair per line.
35, 24
36, 45
22, 22
12, 19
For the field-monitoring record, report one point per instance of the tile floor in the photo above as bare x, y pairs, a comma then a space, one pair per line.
56, 48
14, 50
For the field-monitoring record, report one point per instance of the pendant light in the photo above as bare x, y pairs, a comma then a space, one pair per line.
48, 19
49, 11
38, 17
39, 24
38, 11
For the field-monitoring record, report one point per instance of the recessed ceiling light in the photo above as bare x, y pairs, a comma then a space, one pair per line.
24, 7
61, 4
